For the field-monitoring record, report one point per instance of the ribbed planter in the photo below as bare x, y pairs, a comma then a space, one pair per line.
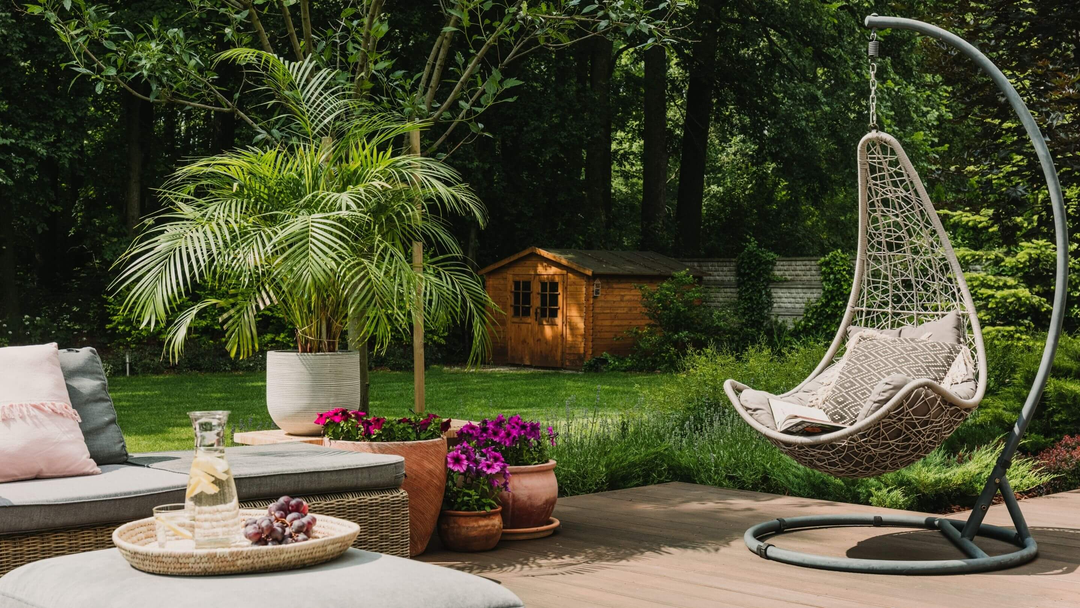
425, 480
532, 496
470, 531
299, 386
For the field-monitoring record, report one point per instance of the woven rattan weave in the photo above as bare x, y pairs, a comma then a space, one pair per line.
906, 273
383, 516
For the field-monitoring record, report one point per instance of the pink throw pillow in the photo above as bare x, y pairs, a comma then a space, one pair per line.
39, 430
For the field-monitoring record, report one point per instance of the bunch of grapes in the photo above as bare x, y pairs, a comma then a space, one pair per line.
286, 521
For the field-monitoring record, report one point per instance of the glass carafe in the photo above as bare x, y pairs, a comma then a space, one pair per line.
211, 491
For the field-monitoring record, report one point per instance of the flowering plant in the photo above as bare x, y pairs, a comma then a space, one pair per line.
519, 441
353, 425
474, 478
1063, 461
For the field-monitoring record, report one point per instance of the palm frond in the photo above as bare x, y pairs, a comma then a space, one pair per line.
319, 224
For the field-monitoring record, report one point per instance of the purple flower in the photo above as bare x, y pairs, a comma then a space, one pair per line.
456, 461
493, 454
469, 432
490, 467
504, 437
532, 430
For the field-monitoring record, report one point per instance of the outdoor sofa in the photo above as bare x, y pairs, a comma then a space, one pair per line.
43, 518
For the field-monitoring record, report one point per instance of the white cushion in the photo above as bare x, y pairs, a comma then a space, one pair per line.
39, 430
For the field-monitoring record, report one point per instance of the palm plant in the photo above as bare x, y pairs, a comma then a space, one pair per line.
318, 221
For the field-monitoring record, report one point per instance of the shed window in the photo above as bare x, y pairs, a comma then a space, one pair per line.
549, 299
522, 298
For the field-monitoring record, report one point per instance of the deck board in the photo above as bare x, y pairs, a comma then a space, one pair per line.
680, 545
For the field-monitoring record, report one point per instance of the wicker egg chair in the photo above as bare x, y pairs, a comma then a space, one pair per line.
906, 273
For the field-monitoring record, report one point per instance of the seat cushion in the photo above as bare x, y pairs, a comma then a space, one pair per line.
89, 392
948, 328
756, 403
297, 469
120, 493
871, 358
102, 579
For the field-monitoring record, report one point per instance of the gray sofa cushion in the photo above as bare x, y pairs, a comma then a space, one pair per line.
102, 579
128, 492
120, 493
89, 394
298, 469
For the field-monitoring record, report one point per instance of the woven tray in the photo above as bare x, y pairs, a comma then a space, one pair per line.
137, 542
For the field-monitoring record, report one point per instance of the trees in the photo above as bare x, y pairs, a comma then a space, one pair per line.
997, 206
486, 37
788, 103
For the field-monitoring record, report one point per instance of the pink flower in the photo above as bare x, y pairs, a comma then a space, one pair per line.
456, 461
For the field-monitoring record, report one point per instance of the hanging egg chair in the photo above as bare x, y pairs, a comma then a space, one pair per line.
908, 286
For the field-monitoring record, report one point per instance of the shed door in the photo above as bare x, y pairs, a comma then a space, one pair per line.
535, 331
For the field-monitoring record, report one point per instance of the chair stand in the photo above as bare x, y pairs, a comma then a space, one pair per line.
976, 561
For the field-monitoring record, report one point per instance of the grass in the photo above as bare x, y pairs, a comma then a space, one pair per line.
152, 410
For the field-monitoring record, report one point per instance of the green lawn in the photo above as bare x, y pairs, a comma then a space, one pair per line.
153, 409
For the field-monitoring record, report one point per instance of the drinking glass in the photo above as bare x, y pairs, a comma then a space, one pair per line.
172, 522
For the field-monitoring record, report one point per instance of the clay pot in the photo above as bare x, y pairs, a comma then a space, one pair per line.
470, 531
532, 496
425, 480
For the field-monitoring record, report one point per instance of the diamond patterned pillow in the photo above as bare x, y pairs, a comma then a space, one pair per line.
870, 358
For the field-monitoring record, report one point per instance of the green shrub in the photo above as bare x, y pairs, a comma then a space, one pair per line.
753, 305
1012, 362
821, 317
598, 453
679, 321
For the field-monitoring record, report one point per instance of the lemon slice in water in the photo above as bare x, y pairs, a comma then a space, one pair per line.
177, 530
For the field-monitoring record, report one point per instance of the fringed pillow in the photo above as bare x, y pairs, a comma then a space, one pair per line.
39, 430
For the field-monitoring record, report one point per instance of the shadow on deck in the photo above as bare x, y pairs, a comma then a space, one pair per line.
681, 545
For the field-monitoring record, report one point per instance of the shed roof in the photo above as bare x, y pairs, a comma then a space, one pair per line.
601, 262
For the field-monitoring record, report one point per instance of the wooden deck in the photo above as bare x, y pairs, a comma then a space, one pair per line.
681, 545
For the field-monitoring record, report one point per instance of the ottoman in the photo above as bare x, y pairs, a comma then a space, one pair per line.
102, 579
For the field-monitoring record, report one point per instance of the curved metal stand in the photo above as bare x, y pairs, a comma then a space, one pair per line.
977, 560
961, 534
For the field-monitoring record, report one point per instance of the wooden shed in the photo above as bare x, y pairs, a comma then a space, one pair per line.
561, 307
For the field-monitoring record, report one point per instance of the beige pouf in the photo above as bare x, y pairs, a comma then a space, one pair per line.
102, 579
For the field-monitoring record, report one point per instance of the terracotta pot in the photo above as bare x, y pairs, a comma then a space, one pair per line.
425, 480
470, 530
301, 385
532, 496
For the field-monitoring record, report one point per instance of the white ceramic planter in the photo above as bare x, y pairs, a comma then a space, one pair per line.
301, 385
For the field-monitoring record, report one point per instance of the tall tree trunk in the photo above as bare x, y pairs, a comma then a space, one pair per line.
138, 119
224, 131
418, 315
598, 149
699, 101
655, 158
224, 123
8, 271
363, 347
